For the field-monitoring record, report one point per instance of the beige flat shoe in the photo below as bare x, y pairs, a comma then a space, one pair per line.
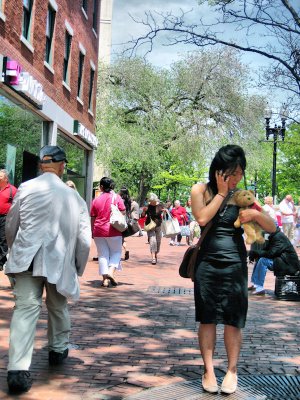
229, 384
209, 388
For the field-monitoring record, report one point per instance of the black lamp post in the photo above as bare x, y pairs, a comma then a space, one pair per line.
277, 132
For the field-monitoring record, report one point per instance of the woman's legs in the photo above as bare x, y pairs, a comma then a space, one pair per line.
207, 342
233, 342
103, 258
153, 245
109, 255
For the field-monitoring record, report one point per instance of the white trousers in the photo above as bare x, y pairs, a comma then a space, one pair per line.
28, 291
109, 253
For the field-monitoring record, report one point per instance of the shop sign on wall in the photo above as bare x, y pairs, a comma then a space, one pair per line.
23, 82
85, 134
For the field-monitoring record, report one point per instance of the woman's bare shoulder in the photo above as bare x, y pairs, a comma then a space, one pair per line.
199, 188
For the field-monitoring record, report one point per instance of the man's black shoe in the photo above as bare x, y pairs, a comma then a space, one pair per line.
57, 358
18, 381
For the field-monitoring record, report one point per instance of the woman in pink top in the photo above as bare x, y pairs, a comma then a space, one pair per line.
107, 239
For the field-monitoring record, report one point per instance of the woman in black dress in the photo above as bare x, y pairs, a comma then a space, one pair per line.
221, 295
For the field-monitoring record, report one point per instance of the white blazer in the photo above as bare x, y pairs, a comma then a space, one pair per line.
49, 223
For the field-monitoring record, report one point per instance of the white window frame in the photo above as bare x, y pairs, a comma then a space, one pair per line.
82, 51
90, 99
66, 82
27, 40
84, 12
52, 4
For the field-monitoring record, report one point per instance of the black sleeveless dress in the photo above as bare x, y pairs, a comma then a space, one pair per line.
221, 278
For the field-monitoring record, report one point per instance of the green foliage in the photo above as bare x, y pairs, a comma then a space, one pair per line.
288, 170
159, 129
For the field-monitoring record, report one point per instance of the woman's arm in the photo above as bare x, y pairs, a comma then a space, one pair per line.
93, 219
204, 213
263, 220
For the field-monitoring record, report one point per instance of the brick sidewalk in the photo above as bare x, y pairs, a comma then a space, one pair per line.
142, 334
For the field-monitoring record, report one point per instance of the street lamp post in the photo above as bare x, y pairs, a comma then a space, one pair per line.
277, 132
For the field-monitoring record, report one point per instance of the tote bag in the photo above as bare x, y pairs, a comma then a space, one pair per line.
117, 219
170, 227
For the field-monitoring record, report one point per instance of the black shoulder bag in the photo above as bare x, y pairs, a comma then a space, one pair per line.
190, 257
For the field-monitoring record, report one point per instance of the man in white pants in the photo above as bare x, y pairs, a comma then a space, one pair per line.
288, 216
49, 235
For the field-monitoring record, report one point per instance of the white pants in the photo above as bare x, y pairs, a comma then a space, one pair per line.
109, 253
28, 291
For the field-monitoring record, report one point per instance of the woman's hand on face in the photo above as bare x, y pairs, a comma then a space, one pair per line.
222, 182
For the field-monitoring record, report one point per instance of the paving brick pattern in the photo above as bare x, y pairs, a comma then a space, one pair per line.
142, 334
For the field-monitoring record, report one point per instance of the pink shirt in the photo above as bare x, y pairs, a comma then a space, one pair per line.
101, 211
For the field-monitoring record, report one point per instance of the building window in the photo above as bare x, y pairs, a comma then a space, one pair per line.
68, 42
91, 89
95, 16
84, 5
80, 74
27, 9
49, 34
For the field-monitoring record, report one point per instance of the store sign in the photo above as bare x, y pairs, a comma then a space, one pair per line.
23, 82
85, 134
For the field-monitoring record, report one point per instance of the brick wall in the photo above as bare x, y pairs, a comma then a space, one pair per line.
70, 10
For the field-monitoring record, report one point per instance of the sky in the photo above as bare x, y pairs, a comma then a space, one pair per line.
124, 29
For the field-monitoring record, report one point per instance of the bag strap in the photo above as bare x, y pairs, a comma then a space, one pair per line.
10, 200
208, 226
113, 198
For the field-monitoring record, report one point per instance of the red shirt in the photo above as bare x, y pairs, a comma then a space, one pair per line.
5, 204
101, 211
177, 212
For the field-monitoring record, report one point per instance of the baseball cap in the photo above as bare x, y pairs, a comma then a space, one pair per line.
56, 153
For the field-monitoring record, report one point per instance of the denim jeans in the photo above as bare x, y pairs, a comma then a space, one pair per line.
259, 272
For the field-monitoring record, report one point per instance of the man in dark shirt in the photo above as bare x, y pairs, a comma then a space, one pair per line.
7, 193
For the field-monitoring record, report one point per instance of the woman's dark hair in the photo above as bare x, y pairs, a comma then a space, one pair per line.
124, 193
107, 184
228, 158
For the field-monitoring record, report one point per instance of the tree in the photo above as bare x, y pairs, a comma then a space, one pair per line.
155, 122
289, 164
269, 28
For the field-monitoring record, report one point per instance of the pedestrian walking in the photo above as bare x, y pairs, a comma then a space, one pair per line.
220, 286
125, 196
288, 216
178, 212
49, 236
154, 213
108, 240
7, 193
135, 213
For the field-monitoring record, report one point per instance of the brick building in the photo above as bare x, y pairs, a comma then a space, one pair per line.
48, 76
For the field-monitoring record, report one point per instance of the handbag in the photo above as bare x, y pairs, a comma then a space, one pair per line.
190, 257
132, 227
117, 219
150, 226
170, 227
185, 230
